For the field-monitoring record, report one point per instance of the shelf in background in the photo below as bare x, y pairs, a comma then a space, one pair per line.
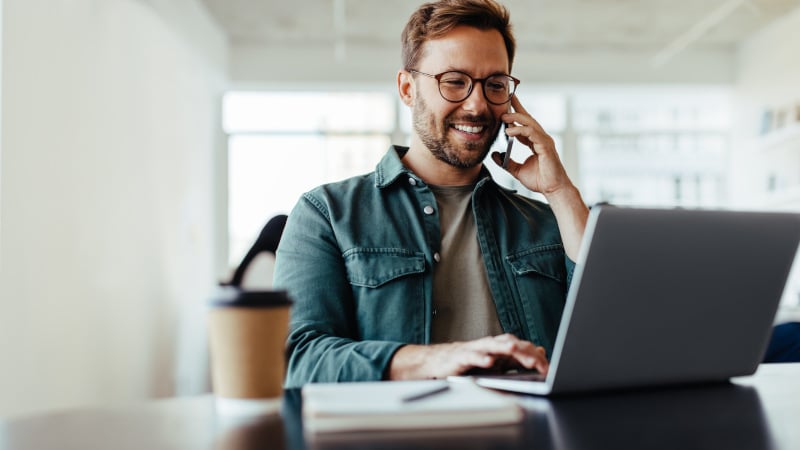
779, 137
784, 199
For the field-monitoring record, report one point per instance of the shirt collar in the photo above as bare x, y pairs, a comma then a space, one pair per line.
390, 168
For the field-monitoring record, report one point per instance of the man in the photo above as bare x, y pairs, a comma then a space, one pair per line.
426, 268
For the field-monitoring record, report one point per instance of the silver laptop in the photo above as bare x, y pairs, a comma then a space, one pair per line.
667, 297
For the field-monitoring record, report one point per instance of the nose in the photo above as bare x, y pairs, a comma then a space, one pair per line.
476, 101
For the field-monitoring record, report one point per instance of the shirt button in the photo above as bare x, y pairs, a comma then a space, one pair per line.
412, 181
428, 210
437, 257
434, 312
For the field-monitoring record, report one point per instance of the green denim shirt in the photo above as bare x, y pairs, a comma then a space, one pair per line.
357, 258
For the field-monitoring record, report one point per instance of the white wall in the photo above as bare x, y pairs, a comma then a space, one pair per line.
768, 79
1, 132
768, 74
111, 121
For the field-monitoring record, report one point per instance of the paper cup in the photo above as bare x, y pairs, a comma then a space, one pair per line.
247, 331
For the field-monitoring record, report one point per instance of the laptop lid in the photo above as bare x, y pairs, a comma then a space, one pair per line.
668, 297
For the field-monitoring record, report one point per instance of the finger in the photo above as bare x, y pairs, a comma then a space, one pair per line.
471, 359
524, 353
536, 358
512, 167
481, 360
521, 132
530, 356
517, 105
528, 126
520, 135
521, 115
538, 141
494, 345
508, 337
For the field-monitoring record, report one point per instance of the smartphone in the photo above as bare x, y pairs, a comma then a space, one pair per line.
507, 156
510, 144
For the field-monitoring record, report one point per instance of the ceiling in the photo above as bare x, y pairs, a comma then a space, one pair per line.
659, 29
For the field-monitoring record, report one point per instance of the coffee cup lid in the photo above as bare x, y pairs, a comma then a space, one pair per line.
230, 296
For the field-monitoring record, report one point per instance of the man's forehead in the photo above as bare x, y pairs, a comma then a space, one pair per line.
465, 49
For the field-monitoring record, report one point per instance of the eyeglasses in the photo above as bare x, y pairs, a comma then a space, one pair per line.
455, 86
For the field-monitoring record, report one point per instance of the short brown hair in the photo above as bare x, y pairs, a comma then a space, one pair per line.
435, 19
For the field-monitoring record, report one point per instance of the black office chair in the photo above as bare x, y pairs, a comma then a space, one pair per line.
267, 241
784, 345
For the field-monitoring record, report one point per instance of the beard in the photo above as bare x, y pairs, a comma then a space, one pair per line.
434, 135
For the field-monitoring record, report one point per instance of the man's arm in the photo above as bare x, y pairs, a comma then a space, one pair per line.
543, 172
322, 345
571, 214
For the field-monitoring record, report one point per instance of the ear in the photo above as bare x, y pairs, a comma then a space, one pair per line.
406, 87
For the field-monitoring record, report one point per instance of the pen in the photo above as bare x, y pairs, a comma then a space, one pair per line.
426, 394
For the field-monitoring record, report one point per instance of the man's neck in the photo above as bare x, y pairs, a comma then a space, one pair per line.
435, 171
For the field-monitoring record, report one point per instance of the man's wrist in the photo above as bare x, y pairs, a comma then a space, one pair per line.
406, 362
571, 214
566, 195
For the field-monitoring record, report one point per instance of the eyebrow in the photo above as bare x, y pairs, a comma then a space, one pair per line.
455, 69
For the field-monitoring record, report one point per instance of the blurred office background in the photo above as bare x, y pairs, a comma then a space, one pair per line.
146, 142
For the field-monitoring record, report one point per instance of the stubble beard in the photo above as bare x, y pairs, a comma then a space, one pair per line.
434, 136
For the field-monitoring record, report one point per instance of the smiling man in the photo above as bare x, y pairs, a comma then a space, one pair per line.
426, 267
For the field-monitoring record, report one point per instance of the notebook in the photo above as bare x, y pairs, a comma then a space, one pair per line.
662, 297
403, 405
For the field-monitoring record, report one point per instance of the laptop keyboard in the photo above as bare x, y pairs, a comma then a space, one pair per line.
522, 375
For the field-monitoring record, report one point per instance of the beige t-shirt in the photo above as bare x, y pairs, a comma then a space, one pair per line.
463, 308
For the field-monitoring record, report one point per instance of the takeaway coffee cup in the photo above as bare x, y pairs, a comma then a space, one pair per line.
247, 331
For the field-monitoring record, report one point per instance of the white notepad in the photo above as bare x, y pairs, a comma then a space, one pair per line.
341, 407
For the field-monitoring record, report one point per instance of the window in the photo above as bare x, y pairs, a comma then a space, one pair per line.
656, 147
647, 146
282, 144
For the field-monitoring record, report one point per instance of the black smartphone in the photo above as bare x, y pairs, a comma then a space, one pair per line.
510, 144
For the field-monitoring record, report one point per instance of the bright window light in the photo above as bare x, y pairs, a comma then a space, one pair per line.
647, 146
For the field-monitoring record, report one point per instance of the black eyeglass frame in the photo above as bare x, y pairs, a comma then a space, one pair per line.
473, 82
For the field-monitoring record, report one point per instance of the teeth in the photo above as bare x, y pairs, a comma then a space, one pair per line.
468, 129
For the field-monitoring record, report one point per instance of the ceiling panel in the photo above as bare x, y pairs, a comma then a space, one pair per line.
545, 24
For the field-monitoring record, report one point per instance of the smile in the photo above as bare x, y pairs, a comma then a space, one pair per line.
468, 128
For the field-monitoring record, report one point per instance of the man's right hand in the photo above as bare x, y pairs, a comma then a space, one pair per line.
503, 352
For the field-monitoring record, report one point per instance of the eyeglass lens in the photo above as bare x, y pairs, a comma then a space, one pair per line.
456, 86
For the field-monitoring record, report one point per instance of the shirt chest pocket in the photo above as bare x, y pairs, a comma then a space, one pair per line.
388, 293
547, 262
540, 278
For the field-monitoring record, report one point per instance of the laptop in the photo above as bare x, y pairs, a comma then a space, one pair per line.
663, 297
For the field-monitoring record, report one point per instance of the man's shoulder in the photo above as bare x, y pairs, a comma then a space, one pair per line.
521, 201
346, 188
365, 184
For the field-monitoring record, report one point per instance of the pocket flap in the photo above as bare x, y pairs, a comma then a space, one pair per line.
547, 261
373, 267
